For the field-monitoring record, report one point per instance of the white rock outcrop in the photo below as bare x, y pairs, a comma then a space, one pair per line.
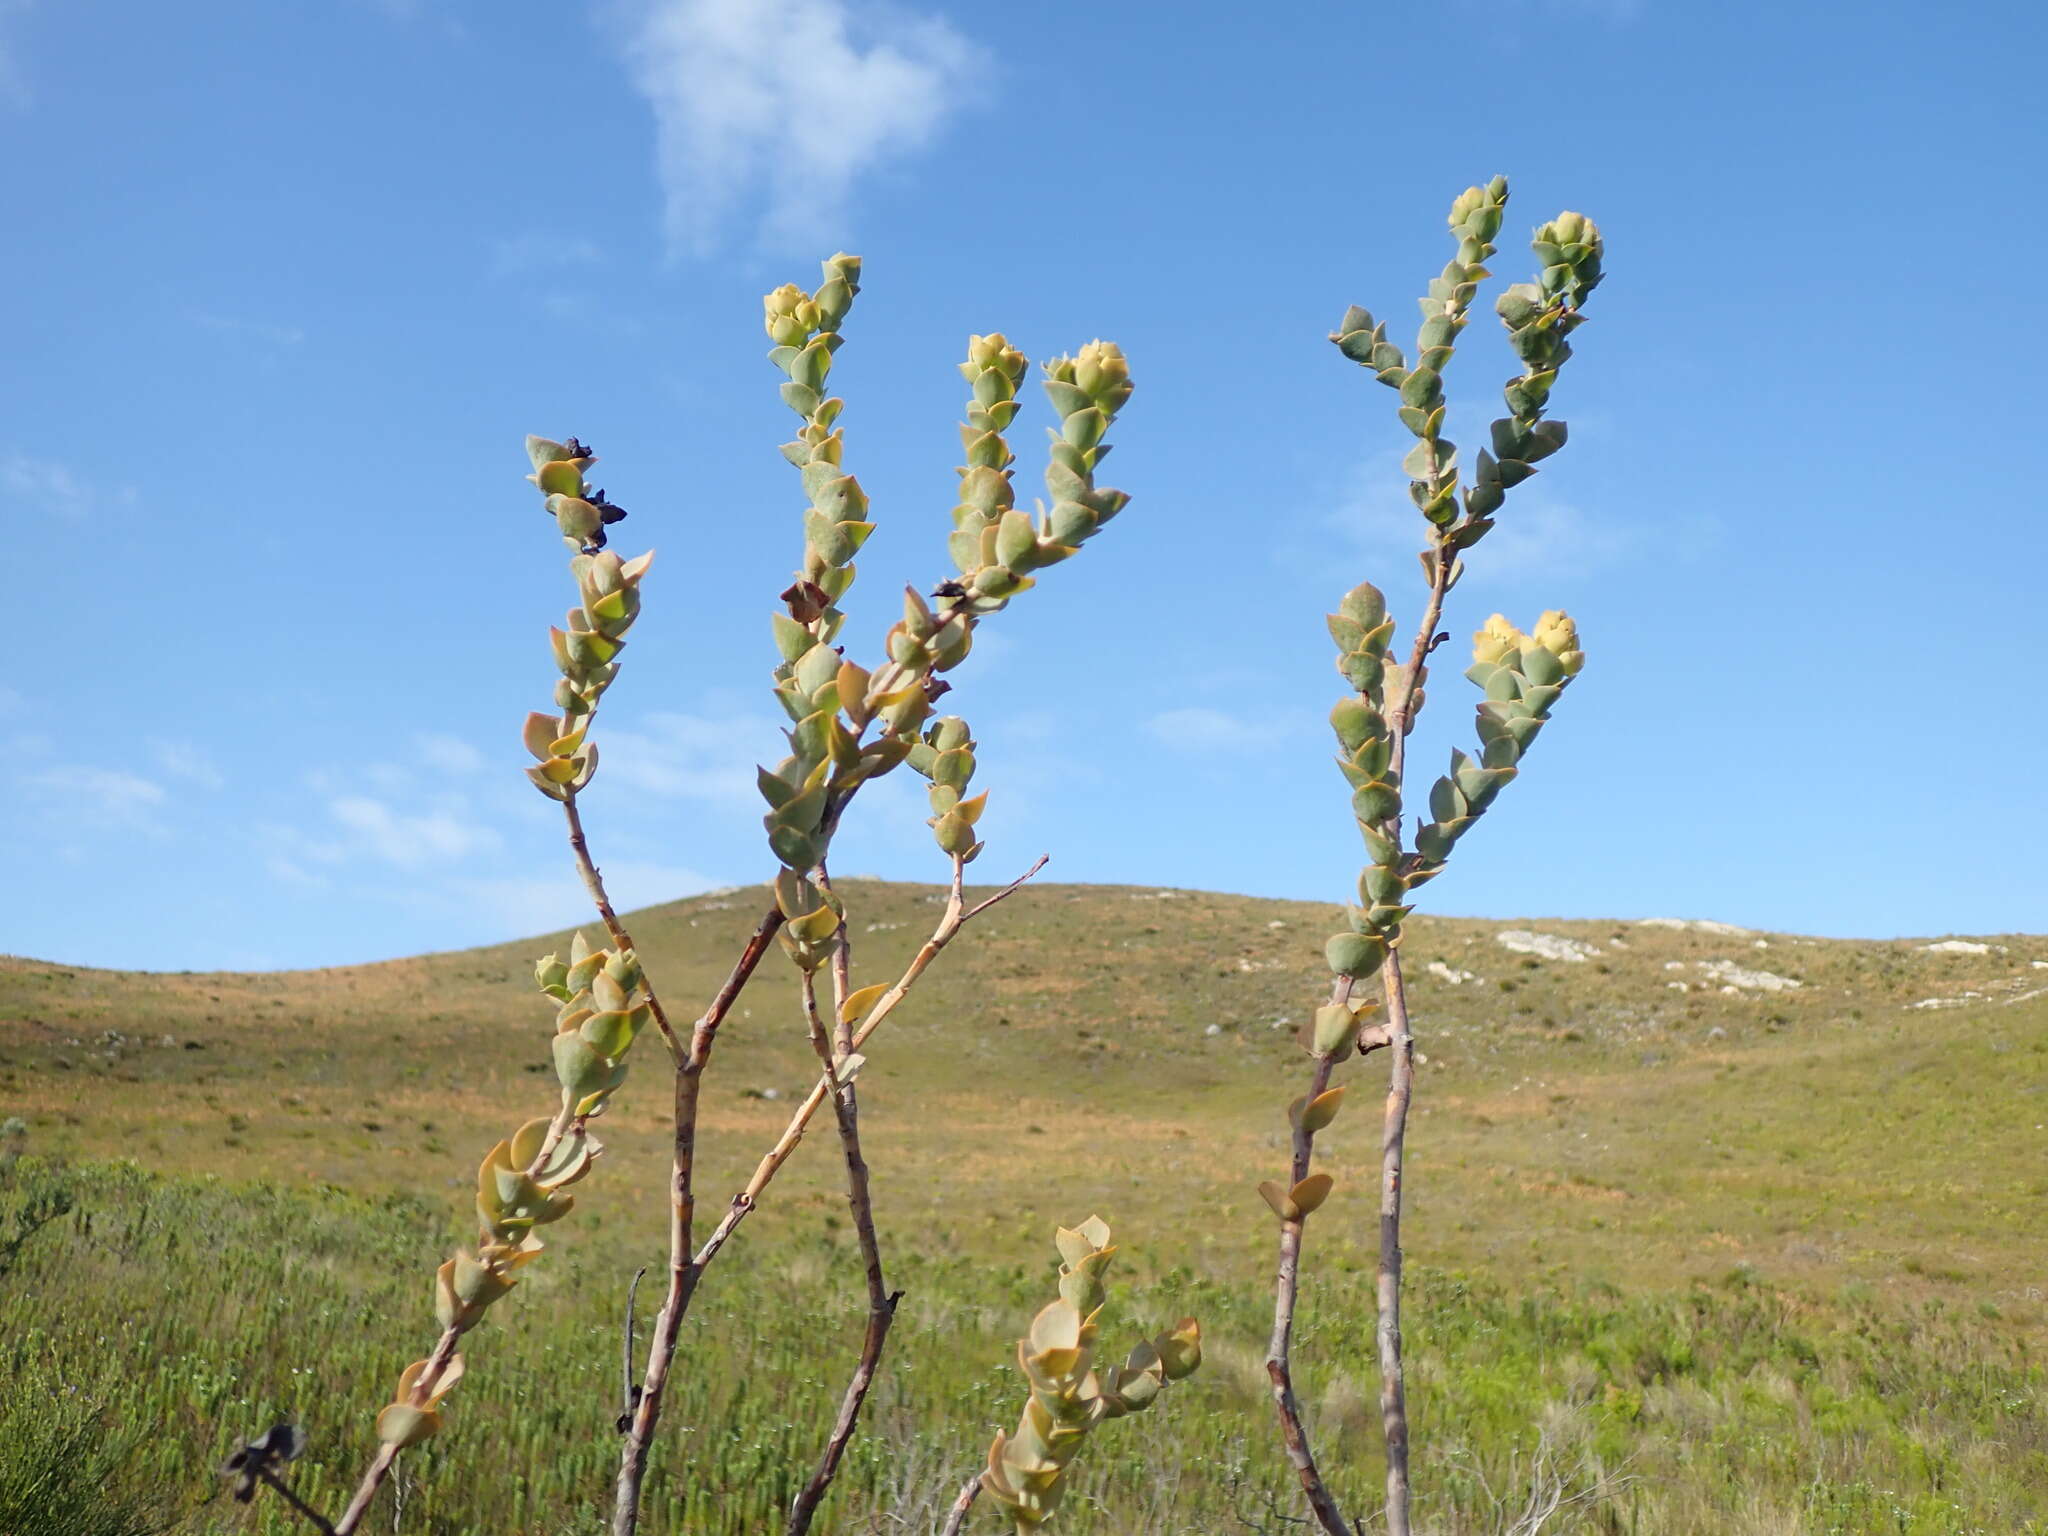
1545, 946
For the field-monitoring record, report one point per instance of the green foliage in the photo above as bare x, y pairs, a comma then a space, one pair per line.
66, 1466
1734, 1408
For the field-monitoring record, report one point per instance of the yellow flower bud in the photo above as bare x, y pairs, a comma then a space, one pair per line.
1100, 370
1498, 639
1557, 634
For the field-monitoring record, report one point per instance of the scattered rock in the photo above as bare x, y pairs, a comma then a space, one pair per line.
1962, 947
1736, 979
1445, 973
1545, 946
1694, 925
1213, 1029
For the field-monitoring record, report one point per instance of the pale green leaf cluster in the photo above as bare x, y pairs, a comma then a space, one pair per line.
522, 1182
945, 755
587, 647
1520, 675
1070, 1396
1538, 317
833, 701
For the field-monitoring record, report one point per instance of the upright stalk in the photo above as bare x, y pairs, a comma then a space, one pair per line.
1520, 676
835, 1051
1279, 1349
683, 1270
1400, 1089
593, 882
687, 1268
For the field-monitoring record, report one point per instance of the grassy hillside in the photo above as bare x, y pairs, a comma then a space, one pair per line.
1766, 1257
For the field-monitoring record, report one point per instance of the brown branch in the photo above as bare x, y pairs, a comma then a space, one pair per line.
1286, 1286
1392, 1033
444, 1351
683, 1270
956, 916
833, 1055
1400, 1088
593, 882
956, 1518
387, 1454
1393, 1376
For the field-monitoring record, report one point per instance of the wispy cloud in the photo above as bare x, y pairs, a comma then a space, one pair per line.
1537, 534
523, 905
253, 330
449, 755
14, 88
1198, 728
32, 486
359, 828
770, 109
183, 760
528, 254
416, 12
412, 840
694, 757
99, 798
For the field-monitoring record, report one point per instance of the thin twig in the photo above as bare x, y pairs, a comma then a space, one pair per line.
444, 1350
682, 1269
1286, 1283
387, 1453
593, 882
1400, 1088
956, 1518
834, 1052
629, 1394
956, 916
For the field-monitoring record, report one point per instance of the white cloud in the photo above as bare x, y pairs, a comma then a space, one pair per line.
37, 488
692, 757
527, 254
100, 797
183, 760
14, 89
774, 107
1198, 728
1536, 534
411, 840
540, 903
449, 755
255, 330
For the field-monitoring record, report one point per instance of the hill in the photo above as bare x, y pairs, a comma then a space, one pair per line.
1753, 1204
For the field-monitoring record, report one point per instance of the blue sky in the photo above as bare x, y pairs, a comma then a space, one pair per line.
286, 284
